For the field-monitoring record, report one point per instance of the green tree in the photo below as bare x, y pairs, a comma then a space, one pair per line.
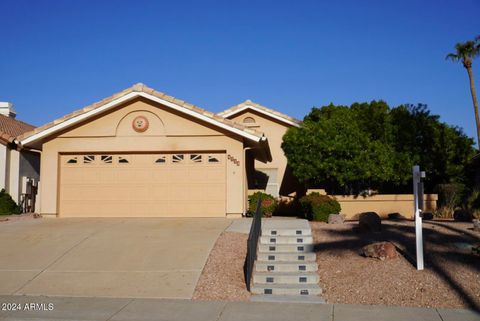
466, 52
443, 151
331, 147
368, 145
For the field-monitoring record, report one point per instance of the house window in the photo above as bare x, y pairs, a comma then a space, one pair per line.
122, 160
73, 160
161, 160
88, 159
177, 158
249, 120
213, 159
106, 159
196, 158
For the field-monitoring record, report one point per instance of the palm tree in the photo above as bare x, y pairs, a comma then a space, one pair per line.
466, 52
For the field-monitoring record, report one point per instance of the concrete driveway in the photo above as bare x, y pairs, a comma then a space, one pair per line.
135, 258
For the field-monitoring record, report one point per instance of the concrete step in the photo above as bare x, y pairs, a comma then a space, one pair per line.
287, 289
261, 266
286, 239
310, 299
287, 256
291, 248
286, 278
286, 232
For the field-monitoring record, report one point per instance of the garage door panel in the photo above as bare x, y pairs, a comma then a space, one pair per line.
181, 192
72, 207
107, 175
160, 192
197, 194
197, 175
178, 175
139, 192
73, 177
142, 185
215, 176
215, 192
142, 207
70, 192
142, 176
93, 192
125, 175
158, 175
210, 207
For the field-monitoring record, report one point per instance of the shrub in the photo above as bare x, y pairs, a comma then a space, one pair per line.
449, 198
288, 207
450, 195
317, 207
269, 204
7, 204
443, 212
473, 203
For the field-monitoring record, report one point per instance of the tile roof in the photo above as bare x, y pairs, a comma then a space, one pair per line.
139, 87
248, 103
11, 128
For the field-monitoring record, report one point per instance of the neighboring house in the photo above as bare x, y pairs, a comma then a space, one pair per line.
16, 167
143, 153
275, 177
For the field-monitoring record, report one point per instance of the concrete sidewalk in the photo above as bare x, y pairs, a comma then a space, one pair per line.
103, 309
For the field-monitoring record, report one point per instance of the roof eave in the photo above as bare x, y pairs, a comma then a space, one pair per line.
27, 138
277, 117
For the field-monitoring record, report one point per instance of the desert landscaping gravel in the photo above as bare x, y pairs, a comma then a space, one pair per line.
451, 277
222, 277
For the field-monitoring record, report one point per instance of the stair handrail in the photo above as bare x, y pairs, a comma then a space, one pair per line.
252, 243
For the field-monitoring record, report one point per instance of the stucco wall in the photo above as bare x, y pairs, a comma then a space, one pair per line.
383, 204
274, 131
14, 174
3, 166
30, 164
10, 175
168, 132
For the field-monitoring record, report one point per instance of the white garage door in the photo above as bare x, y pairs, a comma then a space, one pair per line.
142, 185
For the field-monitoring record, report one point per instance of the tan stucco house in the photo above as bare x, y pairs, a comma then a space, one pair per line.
143, 153
274, 177
17, 167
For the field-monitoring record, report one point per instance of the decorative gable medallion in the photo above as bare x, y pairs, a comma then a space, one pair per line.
140, 124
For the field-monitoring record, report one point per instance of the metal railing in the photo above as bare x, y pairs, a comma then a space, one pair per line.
252, 243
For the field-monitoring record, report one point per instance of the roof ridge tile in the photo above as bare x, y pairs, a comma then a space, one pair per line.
248, 102
140, 87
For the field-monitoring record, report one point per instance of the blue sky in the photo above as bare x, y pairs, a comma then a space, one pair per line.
58, 56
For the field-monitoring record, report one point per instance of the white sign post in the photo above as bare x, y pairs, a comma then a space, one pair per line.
418, 206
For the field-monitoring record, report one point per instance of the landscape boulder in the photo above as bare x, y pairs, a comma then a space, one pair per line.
381, 250
336, 219
395, 216
427, 216
369, 222
462, 215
